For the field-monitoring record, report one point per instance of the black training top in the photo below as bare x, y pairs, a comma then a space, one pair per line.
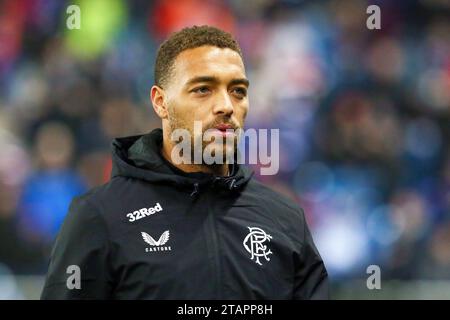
155, 232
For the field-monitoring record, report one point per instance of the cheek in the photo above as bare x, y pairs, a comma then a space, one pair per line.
241, 111
182, 115
179, 110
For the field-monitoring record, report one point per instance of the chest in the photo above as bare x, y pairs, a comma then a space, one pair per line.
204, 250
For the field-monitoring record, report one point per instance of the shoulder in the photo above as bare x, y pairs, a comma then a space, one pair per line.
279, 204
84, 225
83, 215
277, 208
268, 194
100, 197
91, 207
110, 202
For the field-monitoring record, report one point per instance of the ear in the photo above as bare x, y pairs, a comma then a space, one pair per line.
157, 96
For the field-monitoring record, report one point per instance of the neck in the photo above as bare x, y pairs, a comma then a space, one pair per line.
216, 169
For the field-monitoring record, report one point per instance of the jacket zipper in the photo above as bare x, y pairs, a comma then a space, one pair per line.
216, 251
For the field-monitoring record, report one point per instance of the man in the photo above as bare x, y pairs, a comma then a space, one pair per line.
165, 229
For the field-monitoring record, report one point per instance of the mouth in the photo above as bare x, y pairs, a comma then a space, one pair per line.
225, 130
223, 127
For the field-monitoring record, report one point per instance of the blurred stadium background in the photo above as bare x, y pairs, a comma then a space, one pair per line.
363, 118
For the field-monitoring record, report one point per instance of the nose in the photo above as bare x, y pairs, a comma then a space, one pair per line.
223, 105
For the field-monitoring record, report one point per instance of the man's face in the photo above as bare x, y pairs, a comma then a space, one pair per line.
208, 84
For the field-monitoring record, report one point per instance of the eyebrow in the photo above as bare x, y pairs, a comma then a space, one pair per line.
213, 79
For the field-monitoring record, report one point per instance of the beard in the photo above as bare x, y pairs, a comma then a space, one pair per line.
227, 147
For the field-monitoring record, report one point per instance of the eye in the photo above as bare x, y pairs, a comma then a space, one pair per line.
203, 90
240, 92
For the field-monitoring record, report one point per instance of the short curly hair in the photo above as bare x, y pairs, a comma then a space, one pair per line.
189, 38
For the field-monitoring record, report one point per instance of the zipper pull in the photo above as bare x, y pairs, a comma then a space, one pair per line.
232, 184
195, 189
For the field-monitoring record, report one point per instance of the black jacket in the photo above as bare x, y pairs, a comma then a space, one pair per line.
155, 232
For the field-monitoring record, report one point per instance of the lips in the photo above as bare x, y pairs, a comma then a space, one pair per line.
223, 127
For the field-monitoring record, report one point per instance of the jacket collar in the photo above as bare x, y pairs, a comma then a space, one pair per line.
140, 157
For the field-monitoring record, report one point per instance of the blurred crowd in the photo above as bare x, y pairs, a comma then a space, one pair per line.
364, 117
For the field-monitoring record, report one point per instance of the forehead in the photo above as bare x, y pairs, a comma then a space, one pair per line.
208, 61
